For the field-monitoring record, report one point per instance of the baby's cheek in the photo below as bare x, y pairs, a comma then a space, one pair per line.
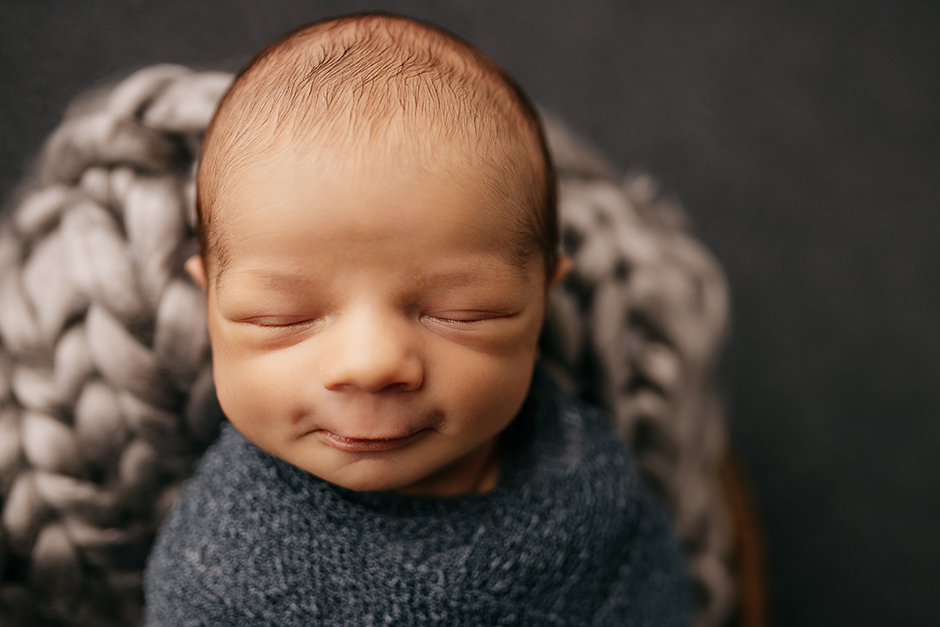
241, 388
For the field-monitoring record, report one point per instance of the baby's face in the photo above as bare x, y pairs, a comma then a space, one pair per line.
371, 324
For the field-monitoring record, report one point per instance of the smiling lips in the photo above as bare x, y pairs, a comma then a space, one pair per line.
356, 445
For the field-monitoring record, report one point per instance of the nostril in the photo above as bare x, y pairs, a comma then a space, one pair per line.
371, 375
402, 386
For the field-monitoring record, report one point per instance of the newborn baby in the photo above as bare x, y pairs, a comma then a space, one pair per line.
378, 231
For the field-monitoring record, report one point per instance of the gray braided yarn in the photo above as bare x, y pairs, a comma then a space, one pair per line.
106, 396
636, 327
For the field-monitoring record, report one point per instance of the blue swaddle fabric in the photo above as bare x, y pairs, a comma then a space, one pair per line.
570, 536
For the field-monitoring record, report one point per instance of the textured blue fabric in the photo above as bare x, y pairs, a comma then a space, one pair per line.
570, 536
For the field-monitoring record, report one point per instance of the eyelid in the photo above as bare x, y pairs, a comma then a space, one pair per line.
280, 322
466, 317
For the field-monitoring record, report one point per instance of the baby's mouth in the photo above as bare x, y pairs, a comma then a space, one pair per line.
363, 445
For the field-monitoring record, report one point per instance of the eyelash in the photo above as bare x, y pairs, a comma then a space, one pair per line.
281, 325
473, 319
453, 321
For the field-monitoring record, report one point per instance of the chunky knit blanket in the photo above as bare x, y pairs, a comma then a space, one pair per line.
571, 536
106, 394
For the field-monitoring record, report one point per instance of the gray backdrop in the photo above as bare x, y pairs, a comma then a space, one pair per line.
803, 140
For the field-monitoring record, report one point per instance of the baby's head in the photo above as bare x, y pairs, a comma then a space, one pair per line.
378, 232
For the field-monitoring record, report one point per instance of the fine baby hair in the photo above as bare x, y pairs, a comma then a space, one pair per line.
110, 375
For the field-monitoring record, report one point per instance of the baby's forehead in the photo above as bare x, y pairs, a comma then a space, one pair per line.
280, 190
442, 169
501, 170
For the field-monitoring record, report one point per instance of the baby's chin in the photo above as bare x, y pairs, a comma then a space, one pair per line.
424, 464
371, 473
384, 475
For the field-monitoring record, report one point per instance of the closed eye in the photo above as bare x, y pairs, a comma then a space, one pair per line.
281, 322
464, 318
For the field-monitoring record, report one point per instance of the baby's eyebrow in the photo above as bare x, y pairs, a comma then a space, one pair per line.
272, 279
501, 273
506, 275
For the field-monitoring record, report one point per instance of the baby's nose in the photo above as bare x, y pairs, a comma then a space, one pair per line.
372, 351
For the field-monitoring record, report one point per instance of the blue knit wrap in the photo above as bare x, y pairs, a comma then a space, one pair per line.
570, 536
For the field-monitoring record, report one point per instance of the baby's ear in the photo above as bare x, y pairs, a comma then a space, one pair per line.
197, 270
562, 267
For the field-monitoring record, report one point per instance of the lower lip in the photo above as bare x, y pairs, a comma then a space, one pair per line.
355, 445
